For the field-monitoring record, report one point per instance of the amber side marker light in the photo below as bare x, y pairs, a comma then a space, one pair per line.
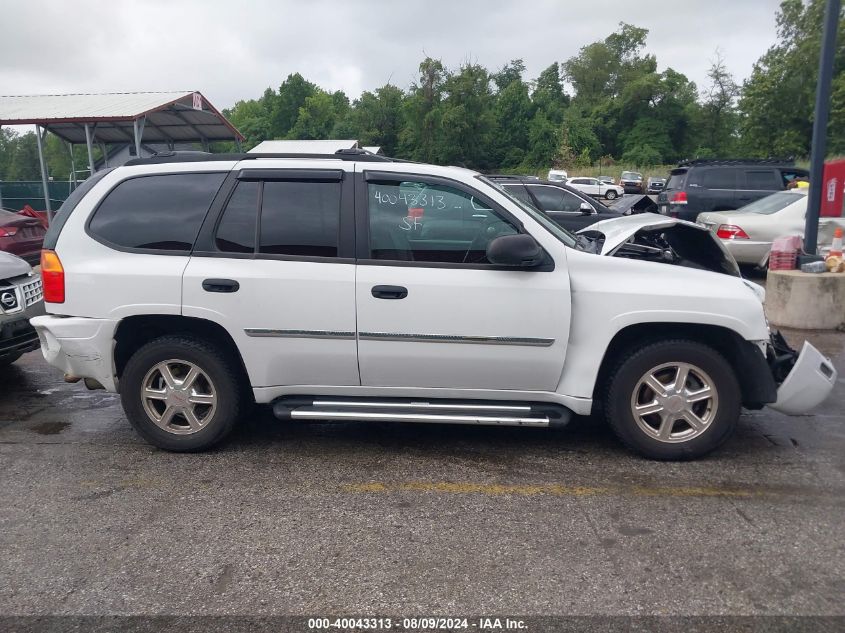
52, 277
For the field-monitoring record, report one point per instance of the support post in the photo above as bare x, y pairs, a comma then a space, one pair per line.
819, 148
72, 165
89, 142
138, 125
44, 179
104, 149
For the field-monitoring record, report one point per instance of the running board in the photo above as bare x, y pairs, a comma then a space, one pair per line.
420, 411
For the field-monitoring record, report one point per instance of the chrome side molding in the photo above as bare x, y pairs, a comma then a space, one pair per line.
266, 332
450, 338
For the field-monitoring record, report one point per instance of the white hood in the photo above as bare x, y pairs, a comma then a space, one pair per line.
619, 230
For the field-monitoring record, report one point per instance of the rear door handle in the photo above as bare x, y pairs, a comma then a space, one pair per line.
390, 292
220, 285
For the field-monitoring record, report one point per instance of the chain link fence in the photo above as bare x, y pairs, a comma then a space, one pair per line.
15, 194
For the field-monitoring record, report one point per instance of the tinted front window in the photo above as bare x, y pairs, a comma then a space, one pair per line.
422, 222
300, 218
156, 212
236, 232
719, 178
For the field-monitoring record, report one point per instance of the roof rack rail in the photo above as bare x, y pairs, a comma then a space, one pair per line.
736, 161
191, 156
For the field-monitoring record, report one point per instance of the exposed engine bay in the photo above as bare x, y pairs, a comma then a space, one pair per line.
663, 240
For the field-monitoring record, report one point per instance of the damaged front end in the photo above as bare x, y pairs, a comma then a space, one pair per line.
660, 239
804, 379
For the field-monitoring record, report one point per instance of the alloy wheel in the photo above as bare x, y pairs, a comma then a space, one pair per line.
178, 396
674, 402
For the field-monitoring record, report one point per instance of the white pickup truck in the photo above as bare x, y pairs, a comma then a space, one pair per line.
351, 286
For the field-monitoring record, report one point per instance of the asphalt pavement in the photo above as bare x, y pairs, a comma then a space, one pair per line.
354, 518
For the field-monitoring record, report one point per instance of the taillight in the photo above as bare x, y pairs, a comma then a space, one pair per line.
731, 232
8, 231
52, 277
679, 197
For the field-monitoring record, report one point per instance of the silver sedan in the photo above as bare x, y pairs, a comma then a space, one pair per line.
748, 232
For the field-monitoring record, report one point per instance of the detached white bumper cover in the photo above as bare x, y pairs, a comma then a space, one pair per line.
79, 346
808, 384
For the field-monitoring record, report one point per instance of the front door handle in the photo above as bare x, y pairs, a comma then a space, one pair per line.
390, 292
220, 285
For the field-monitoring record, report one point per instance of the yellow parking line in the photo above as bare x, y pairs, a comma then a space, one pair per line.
555, 490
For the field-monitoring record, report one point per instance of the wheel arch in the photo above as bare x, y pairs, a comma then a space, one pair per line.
135, 331
752, 371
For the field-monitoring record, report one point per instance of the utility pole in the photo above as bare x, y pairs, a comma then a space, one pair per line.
819, 148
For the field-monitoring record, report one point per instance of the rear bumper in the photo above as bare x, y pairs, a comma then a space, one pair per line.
808, 383
749, 251
79, 346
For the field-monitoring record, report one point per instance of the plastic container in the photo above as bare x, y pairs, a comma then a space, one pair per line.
784, 252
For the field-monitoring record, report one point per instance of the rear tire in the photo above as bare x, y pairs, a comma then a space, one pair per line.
672, 400
181, 393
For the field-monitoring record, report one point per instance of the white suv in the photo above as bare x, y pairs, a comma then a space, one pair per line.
356, 287
596, 188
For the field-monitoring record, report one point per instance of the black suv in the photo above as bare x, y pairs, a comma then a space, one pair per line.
723, 184
568, 207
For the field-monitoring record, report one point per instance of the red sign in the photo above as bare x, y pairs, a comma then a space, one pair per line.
833, 189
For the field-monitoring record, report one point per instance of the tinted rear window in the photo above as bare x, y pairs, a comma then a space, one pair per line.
719, 178
52, 236
156, 212
300, 218
236, 231
676, 179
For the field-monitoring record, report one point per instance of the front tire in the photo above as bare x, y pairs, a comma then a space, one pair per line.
181, 393
610, 194
673, 400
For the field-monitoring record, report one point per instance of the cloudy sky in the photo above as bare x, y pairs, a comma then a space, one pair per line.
233, 50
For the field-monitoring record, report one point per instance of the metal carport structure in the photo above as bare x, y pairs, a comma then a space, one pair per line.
125, 117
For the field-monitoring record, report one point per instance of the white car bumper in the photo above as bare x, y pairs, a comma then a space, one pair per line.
79, 346
808, 384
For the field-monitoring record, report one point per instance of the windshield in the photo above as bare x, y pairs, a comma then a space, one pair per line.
555, 229
773, 203
631, 175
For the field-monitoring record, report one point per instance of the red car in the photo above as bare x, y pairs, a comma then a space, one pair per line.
21, 236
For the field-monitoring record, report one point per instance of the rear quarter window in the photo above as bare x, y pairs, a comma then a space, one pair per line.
160, 212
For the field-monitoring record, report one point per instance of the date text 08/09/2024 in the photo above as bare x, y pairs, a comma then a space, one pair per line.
417, 624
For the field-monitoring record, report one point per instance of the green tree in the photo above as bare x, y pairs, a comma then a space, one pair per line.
548, 94
316, 117
377, 118
777, 102
512, 113
418, 138
287, 103
252, 119
719, 117
467, 119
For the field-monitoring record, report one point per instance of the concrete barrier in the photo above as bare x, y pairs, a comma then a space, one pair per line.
805, 301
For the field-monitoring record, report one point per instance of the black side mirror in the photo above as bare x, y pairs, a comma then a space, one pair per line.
515, 250
586, 209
